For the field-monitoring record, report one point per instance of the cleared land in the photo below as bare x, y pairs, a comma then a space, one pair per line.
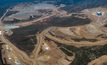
67, 44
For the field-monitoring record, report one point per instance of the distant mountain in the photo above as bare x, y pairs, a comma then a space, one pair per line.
77, 5
67, 2
3, 2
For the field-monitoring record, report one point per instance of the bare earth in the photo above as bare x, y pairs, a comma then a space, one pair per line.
47, 52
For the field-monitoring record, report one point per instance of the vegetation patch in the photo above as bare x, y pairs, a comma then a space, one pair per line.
84, 39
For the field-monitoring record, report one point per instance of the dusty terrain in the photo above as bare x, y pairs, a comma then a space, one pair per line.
48, 52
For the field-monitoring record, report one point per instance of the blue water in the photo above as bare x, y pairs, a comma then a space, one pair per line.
10, 27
